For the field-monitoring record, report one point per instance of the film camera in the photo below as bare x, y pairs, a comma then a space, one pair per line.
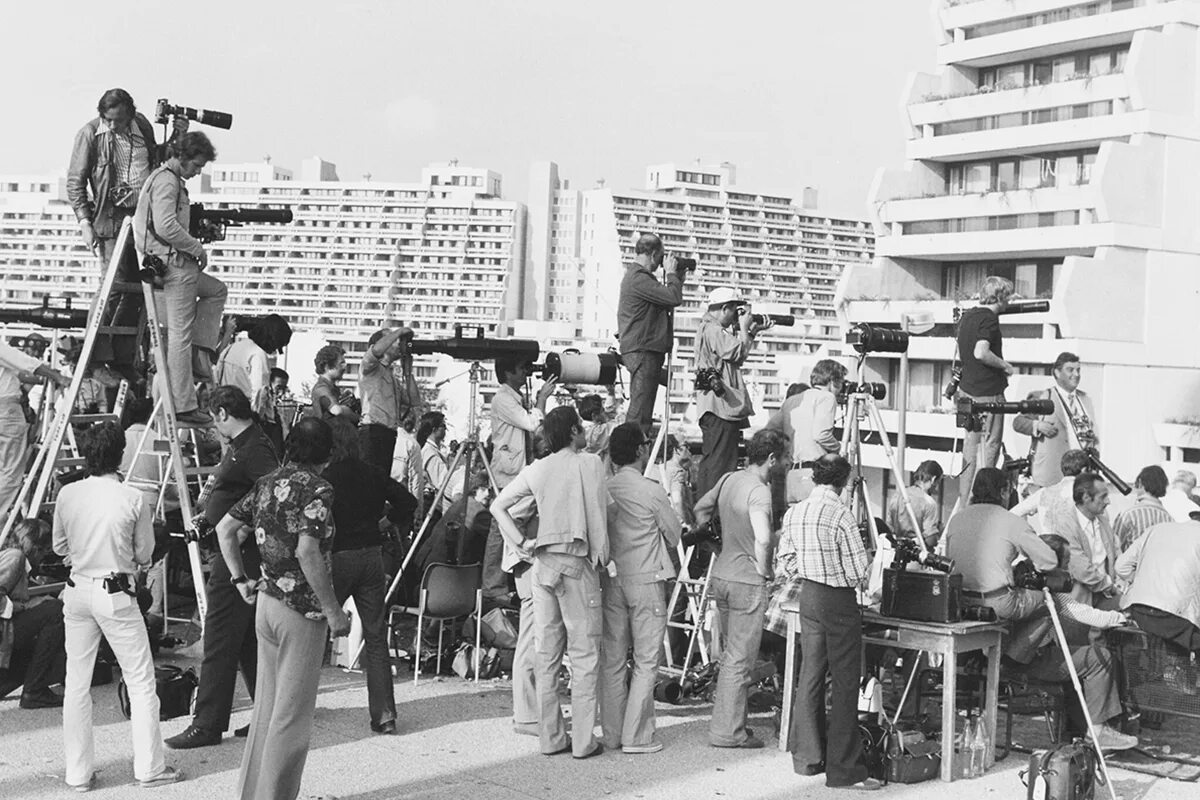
878, 391
969, 413
874, 339
163, 111
1018, 466
708, 532
767, 320
708, 379
686, 264
907, 551
209, 225
1026, 577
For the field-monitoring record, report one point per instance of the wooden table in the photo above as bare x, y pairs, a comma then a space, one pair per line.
949, 639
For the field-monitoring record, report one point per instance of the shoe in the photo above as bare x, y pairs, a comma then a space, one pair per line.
43, 698
564, 749
168, 775
810, 770
865, 785
387, 728
1110, 739
638, 749
192, 737
595, 751
194, 418
526, 729
85, 787
242, 732
751, 742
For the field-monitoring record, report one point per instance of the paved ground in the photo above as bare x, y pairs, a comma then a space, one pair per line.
455, 742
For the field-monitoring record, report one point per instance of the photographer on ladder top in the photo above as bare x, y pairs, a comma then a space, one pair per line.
984, 377
644, 322
722, 402
191, 300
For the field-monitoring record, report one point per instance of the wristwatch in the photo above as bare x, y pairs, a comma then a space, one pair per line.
239, 579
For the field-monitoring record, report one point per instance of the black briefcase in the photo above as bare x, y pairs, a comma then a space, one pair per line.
923, 595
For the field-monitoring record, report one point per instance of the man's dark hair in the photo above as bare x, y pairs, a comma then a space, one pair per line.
138, 410
1065, 358
102, 446
233, 400
624, 442
764, 444
506, 365
648, 244
38, 532
991, 486
826, 371
345, 440
376, 336
831, 470
276, 372
1073, 462
430, 422
1060, 547
1154, 480
327, 357
310, 442
796, 388
272, 333
1085, 486
927, 471
114, 98
193, 145
559, 427
588, 405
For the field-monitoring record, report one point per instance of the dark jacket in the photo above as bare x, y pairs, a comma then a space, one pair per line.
14, 588
643, 312
92, 167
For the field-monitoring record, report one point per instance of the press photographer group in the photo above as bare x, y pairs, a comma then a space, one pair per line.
571, 528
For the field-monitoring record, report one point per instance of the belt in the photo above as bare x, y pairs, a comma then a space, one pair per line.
1003, 590
803, 464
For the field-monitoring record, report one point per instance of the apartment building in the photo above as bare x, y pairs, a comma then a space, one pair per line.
1052, 148
784, 254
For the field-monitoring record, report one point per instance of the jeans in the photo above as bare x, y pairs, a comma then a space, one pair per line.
192, 302
719, 450
89, 613
741, 607
524, 671
376, 443
359, 574
644, 367
290, 650
567, 613
229, 642
634, 614
980, 448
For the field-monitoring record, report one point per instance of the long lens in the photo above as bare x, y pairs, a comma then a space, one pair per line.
477, 348
876, 390
868, 339
1026, 307
599, 369
1038, 407
46, 317
243, 215
784, 320
217, 119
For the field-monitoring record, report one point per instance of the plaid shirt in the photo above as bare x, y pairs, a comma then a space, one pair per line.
820, 541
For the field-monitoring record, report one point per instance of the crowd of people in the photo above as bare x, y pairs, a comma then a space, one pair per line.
557, 510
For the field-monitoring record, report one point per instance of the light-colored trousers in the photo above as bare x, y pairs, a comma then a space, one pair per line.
980, 448
524, 680
290, 650
634, 614
741, 607
89, 612
568, 616
14, 446
191, 302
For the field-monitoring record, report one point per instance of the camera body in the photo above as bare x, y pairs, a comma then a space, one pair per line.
708, 379
1018, 466
117, 583
153, 269
876, 390
708, 532
1026, 577
686, 264
163, 111
907, 551
952, 385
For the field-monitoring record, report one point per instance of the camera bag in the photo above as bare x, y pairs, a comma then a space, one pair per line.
1069, 771
922, 595
895, 756
176, 687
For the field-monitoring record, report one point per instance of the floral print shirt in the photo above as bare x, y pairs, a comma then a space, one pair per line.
283, 506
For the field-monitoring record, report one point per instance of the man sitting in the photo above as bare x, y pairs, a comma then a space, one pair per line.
1053, 504
1179, 499
32, 653
1131, 523
1163, 570
1093, 546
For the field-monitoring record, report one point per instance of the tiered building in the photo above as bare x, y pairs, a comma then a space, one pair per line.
1056, 145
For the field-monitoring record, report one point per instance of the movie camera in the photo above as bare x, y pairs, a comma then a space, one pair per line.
163, 111
969, 413
209, 224
47, 316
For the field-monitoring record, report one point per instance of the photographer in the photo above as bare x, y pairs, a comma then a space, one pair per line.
383, 396
724, 409
644, 323
324, 398
807, 419
14, 430
984, 376
229, 638
193, 299
1070, 427
104, 528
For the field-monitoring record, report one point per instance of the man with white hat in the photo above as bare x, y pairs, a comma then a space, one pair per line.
723, 342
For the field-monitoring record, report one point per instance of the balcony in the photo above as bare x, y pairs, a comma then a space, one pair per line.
924, 109
1073, 134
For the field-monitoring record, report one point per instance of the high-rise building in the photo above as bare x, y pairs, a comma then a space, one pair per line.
1050, 148
786, 256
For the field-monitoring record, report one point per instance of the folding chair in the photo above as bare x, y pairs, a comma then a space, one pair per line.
448, 592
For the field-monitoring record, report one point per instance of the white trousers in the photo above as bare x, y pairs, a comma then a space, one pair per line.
89, 612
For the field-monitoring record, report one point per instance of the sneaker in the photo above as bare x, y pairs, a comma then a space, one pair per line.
638, 749
193, 737
1109, 739
194, 418
865, 785
43, 698
168, 775
85, 787
527, 728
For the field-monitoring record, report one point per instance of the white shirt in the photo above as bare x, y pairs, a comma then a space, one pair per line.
1179, 505
1091, 529
13, 361
510, 422
103, 526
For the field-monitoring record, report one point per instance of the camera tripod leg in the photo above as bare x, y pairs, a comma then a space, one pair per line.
877, 418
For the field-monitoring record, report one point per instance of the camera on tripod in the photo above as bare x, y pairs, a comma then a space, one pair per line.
877, 391
969, 413
47, 316
708, 379
873, 339
163, 111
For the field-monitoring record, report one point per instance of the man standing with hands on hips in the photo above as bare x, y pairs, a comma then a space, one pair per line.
644, 323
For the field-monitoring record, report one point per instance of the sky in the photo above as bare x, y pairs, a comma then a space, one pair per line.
795, 93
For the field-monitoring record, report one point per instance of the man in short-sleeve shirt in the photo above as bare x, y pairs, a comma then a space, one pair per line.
330, 363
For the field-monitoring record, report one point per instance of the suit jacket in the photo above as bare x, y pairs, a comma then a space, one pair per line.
1089, 579
1048, 453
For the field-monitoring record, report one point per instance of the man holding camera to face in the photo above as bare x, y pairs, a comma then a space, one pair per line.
644, 322
193, 301
723, 342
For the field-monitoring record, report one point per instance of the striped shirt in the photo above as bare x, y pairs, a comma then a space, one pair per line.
1131, 523
821, 542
